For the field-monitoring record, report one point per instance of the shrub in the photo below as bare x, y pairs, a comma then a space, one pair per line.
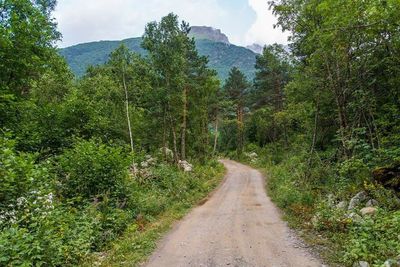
60, 238
91, 170
18, 173
374, 239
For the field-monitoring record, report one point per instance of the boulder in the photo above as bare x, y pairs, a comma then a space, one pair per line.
361, 264
186, 166
392, 263
342, 205
357, 199
331, 200
253, 155
372, 203
168, 152
368, 211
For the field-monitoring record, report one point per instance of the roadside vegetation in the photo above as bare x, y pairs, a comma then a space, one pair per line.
120, 150
322, 118
93, 170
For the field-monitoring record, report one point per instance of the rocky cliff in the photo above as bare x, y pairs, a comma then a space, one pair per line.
209, 33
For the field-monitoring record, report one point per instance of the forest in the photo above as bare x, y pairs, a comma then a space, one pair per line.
106, 162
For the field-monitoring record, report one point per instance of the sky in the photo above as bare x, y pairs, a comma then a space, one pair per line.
244, 21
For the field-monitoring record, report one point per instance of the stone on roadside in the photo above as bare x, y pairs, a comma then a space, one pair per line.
391, 263
368, 211
253, 155
331, 200
357, 199
372, 203
168, 152
361, 264
186, 166
342, 205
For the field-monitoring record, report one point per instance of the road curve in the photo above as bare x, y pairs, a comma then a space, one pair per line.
237, 226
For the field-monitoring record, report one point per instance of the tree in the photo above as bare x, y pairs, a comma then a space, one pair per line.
183, 85
349, 49
273, 69
236, 87
165, 42
27, 37
120, 60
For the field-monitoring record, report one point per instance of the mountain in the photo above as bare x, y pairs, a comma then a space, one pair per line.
256, 48
208, 33
209, 42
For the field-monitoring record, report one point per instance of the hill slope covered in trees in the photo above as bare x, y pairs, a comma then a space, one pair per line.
222, 56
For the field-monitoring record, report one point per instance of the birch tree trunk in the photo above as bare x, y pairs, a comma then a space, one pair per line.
184, 124
127, 107
215, 136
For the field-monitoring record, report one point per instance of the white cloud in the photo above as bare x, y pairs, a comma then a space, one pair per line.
262, 31
91, 20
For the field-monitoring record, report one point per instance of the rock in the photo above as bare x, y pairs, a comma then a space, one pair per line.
256, 48
391, 263
368, 211
372, 203
361, 264
253, 155
168, 152
209, 33
331, 200
357, 199
342, 205
186, 166
354, 217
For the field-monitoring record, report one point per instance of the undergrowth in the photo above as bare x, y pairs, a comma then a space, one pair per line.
309, 191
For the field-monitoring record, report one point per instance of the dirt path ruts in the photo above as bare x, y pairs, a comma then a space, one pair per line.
237, 226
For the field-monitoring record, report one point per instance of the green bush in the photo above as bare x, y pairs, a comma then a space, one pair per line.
60, 237
18, 172
375, 239
92, 170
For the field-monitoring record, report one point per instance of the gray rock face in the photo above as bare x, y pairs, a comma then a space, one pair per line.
357, 199
204, 32
256, 48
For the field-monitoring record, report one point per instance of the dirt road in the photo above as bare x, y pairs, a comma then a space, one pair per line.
237, 226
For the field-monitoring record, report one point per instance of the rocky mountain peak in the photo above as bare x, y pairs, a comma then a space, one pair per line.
205, 32
256, 48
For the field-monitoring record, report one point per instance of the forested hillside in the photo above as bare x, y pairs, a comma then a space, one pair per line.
222, 56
